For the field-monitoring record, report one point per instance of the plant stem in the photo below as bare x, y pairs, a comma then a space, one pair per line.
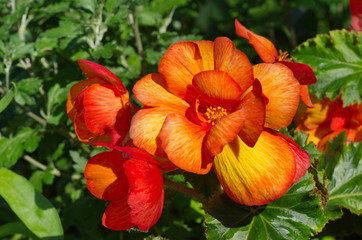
182, 188
30, 114
136, 31
31, 160
288, 15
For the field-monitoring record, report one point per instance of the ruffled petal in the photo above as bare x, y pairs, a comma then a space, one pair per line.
217, 88
103, 105
283, 92
224, 131
233, 62
313, 117
146, 194
150, 92
116, 216
258, 175
75, 91
183, 141
105, 176
264, 48
302, 72
145, 127
92, 70
206, 49
304, 96
179, 65
252, 113
301, 157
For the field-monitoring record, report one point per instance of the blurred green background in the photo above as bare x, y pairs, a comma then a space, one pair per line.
40, 42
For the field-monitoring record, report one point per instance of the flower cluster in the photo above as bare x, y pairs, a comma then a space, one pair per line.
327, 119
207, 108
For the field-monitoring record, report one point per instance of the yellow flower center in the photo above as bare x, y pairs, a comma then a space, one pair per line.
214, 113
284, 56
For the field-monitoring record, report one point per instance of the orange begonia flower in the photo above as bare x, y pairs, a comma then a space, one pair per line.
268, 53
327, 119
133, 184
208, 106
99, 106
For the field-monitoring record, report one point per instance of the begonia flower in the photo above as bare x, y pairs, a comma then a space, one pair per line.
209, 107
327, 119
355, 7
269, 54
99, 106
133, 184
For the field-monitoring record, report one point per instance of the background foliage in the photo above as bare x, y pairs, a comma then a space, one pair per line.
42, 190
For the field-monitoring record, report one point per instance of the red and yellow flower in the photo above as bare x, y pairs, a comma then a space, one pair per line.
327, 119
99, 106
268, 53
209, 107
133, 184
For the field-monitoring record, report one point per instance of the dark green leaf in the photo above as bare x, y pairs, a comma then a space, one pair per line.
34, 210
336, 60
345, 189
6, 100
15, 227
296, 215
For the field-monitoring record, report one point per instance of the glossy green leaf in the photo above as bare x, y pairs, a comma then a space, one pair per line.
6, 100
33, 209
345, 189
337, 61
296, 215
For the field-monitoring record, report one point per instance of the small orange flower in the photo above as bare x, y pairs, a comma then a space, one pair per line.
268, 53
99, 106
132, 184
327, 119
208, 106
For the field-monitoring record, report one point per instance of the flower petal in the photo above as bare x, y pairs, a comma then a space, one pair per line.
150, 91
146, 194
304, 96
252, 113
206, 49
105, 176
103, 105
258, 175
217, 88
264, 48
179, 65
224, 131
283, 92
75, 91
233, 62
302, 72
92, 70
301, 157
116, 216
183, 141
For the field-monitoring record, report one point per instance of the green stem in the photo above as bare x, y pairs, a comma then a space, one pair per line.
183, 189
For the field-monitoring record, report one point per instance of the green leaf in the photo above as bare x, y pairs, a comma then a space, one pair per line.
66, 28
336, 60
29, 85
33, 209
11, 149
6, 100
15, 227
345, 189
80, 161
296, 215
